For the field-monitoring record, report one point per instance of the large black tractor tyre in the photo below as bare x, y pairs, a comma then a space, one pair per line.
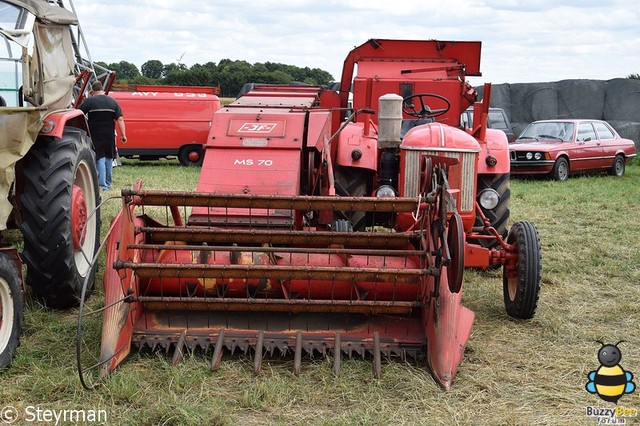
11, 304
521, 292
352, 182
58, 203
498, 216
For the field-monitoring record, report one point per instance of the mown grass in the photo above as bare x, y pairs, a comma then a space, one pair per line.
514, 372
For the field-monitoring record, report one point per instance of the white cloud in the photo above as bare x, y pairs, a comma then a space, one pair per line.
522, 41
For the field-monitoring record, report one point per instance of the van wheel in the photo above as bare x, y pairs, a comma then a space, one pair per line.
191, 155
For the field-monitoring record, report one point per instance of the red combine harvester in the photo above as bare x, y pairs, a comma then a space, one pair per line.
317, 228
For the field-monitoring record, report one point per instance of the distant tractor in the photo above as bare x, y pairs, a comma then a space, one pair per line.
320, 227
48, 183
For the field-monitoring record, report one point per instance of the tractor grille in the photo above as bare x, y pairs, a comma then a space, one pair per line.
468, 178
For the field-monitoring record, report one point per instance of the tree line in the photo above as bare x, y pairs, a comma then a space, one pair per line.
229, 75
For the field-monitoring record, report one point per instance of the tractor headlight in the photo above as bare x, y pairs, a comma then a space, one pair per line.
385, 191
489, 198
538, 156
529, 155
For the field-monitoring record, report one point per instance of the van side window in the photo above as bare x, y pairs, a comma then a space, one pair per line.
497, 121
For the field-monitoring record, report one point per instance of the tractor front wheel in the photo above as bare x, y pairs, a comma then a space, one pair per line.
60, 224
521, 285
11, 303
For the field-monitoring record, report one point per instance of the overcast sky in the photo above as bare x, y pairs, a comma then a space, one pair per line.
522, 40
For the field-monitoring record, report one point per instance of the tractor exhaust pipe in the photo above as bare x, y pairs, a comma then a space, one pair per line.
389, 120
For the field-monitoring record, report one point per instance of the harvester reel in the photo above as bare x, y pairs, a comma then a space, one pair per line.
447, 236
409, 108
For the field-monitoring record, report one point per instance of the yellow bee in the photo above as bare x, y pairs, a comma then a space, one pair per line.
610, 381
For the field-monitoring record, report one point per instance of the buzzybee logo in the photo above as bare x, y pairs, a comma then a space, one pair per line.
610, 381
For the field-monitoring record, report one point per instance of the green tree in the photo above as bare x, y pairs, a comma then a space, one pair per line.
634, 76
152, 69
125, 71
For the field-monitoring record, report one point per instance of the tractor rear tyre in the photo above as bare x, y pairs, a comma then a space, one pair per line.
11, 304
499, 216
352, 182
60, 229
521, 292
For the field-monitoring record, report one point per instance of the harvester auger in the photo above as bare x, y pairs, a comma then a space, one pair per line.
316, 232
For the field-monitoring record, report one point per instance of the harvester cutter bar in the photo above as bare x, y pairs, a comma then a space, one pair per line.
301, 202
285, 333
201, 234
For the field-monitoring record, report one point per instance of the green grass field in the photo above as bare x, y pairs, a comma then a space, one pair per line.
514, 372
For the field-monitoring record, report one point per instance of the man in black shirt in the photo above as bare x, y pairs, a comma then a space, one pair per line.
102, 113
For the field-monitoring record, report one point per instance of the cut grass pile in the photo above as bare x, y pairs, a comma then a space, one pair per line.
514, 372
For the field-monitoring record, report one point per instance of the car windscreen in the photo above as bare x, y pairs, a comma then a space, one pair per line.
554, 130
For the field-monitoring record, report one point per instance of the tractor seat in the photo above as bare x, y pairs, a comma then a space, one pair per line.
410, 124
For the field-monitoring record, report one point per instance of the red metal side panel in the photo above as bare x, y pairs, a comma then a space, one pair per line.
165, 121
251, 171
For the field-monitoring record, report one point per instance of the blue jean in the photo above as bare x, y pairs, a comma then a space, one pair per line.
105, 168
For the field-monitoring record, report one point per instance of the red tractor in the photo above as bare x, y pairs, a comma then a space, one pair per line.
48, 184
320, 227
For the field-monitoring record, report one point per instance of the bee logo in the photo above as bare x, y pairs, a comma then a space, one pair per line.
610, 381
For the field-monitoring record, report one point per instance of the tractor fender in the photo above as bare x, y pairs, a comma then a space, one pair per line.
496, 145
55, 122
355, 149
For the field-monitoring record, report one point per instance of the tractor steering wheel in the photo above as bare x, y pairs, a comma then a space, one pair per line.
409, 108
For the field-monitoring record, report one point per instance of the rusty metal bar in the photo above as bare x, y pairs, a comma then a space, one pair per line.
201, 234
377, 360
285, 250
178, 354
161, 304
337, 354
301, 202
257, 361
274, 272
217, 352
297, 357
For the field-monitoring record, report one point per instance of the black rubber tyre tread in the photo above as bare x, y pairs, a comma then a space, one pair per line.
49, 170
183, 155
499, 216
11, 275
555, 173
614, 171
525, 236
352, 182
